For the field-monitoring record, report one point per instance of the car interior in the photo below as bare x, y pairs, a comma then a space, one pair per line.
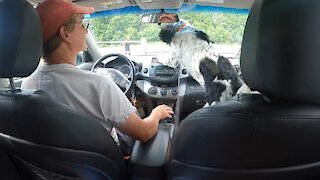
267, 135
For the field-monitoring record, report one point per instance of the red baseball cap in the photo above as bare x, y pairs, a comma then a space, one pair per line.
54, 13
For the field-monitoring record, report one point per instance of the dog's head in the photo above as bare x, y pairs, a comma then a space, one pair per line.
167, 32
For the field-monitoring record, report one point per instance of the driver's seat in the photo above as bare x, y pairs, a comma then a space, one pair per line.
44, 139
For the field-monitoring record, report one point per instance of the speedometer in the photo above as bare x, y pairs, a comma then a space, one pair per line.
125, 69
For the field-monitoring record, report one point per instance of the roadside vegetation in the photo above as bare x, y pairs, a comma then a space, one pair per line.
221, 28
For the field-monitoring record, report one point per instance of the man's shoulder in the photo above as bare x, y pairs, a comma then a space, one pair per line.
81, 72
69, 73
84, 74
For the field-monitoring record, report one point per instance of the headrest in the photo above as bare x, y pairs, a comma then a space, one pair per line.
280, 55
20, 38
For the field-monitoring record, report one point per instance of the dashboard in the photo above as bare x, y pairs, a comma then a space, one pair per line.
155, 80
172, 86
156, 84
159, 81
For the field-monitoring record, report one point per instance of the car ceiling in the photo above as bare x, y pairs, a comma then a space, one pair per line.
103, 5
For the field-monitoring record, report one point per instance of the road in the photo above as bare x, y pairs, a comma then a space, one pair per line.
161, 50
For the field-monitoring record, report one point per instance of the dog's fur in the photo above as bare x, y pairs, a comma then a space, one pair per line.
193, 50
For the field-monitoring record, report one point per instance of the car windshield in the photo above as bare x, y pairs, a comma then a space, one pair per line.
125, 33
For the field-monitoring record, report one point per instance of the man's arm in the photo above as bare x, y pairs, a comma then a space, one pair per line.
145, 129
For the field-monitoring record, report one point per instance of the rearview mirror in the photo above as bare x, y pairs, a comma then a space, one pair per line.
160, 18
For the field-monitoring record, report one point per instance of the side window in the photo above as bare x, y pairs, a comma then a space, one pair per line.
84, 60
79, 58
83, 57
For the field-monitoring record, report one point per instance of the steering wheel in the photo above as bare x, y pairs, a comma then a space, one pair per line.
124, 82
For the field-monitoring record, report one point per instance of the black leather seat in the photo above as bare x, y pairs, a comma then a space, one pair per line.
45, 140
273, 135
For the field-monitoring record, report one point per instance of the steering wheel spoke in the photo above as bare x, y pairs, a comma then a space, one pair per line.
122, 80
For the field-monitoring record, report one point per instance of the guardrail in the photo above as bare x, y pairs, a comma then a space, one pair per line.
134, 46
143, 48
119, 42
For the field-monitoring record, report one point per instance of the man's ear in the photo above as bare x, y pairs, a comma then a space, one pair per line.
64, 34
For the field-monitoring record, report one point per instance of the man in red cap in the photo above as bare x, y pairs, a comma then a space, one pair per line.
64, 32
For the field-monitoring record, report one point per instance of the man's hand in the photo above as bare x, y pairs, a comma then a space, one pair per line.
145, 129
161, 112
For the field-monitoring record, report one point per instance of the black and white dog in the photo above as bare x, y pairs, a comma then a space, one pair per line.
193, 50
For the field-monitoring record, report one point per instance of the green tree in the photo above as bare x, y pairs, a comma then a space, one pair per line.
220, 27
132, 34
150, 32
113, 28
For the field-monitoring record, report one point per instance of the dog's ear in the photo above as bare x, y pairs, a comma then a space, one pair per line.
203, 36
166, 34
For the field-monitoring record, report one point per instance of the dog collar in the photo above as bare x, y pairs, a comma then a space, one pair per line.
180, 27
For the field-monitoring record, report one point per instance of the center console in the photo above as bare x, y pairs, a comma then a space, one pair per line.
159, 81
162, 85
148, 160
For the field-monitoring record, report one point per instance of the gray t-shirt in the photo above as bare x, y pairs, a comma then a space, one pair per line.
83, 91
